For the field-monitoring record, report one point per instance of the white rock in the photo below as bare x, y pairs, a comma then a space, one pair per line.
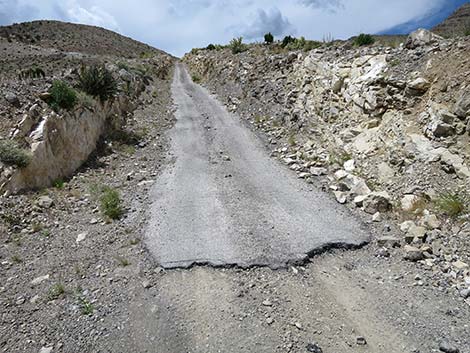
408, 202
44, 202
46, 350
341, 197
349, 166
39, 280
81, 237
377, 217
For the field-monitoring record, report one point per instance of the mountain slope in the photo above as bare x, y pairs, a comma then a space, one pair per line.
429, 20
70, 37
457, 24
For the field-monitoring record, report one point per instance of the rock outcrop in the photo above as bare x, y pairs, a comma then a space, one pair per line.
378, 126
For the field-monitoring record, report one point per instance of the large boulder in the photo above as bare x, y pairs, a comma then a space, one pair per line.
420, 38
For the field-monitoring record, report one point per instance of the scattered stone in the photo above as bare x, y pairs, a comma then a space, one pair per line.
44, 202
420, 84
13, 99
377, 217
377, 202
318, 171
465, 293
267, 302
361, 341
460, 265
389, 241
446, 347
413, 254
146, 284
93, 221
81, 237
46, 350
341, 196
39, 280
269, 320
349, 166
420, 38
408, 202
314, 348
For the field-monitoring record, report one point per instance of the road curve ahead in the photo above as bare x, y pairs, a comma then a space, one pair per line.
224, 201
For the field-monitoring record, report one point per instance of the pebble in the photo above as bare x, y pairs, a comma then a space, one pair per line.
81, 237
314, 348
46, 350
267, 302
361, 341
446, 347
39, 280
269, 320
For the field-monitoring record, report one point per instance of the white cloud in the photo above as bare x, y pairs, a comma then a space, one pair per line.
265, 21
179, 25
93, 15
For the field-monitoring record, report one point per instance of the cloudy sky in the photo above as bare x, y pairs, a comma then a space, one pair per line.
179, 25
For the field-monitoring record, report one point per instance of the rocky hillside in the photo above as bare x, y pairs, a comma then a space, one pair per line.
457, 24
58, 139
80, 140
70, 37
386, 130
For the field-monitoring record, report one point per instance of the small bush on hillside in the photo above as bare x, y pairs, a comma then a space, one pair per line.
211, 47
237, 46
62, 96
34, 72
195, 78
97, 81
451, 204
287, 40
110, 203
364, 39
11, 154
268, 38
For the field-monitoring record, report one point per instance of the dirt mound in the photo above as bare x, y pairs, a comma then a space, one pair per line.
457, 24
69, 37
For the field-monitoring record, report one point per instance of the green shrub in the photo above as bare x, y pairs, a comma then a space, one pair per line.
451, 204
211, 47
303, 44
62, 96
237, 46
196, 78
287, 40
111, 203
364, 39
97, 81
56, 291
11, 154
85, 100
268, 38
34, 72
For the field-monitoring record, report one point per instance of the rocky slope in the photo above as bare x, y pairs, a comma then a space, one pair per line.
70, 37
385, 129
57, 243
457, 24
60, 141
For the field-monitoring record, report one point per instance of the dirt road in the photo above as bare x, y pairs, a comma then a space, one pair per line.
226, 202
223, 201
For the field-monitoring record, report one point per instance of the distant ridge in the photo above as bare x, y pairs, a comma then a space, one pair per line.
457, 24
429, 21
72, 37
